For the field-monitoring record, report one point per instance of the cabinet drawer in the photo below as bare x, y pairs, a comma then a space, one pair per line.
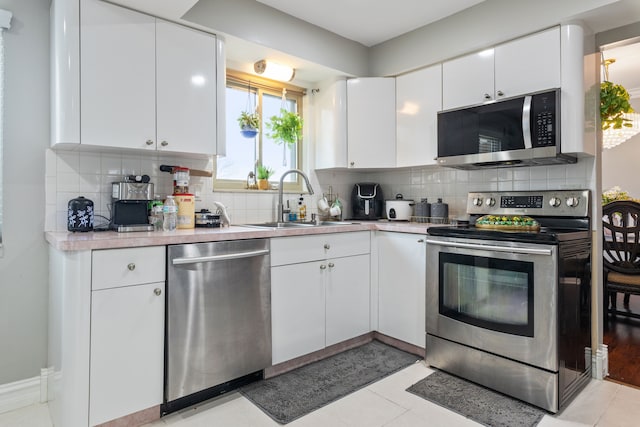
113, 268
291, 250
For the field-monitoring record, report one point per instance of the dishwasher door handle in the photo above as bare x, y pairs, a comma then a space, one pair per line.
225, 257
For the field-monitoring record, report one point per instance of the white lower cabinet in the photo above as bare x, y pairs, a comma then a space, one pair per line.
401, 286
318, 300
127, 347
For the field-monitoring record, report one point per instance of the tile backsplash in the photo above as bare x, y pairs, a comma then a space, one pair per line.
70, 174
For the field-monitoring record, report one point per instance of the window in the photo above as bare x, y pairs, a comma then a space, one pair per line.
250, 93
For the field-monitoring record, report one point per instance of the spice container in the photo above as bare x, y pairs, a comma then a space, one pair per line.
439, 212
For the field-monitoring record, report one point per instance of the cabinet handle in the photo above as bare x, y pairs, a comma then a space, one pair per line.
420, 240
331, 265
131, 266
487, 96
323, 267
352, 163
500, 93
327, 246
157, 291
164, 143
149, 142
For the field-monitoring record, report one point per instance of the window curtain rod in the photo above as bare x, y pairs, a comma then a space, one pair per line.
260, 83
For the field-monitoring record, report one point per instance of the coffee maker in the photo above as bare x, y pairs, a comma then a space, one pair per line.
129, 204
367, 201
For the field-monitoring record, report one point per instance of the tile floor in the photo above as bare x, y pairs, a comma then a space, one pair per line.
384, 403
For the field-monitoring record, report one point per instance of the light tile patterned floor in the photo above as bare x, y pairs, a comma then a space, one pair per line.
384, 403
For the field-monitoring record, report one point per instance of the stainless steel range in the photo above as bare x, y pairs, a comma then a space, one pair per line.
508, 306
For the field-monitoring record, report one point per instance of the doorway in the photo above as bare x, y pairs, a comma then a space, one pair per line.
619, 165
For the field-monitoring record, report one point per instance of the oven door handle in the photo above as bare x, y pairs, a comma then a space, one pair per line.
528, 251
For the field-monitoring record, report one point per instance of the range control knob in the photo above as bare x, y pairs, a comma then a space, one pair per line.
572, 202
490, 201
477, 201
554, 202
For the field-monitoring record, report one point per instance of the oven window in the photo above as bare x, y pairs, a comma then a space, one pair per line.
491, 293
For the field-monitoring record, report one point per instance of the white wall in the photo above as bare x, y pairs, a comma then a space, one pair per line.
24, 267
619, 163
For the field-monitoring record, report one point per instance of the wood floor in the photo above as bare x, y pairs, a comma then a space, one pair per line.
622, 335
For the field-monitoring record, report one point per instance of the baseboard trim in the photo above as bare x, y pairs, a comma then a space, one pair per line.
600, 362
23, 393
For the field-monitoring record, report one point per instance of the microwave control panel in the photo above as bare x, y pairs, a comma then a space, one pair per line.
543, 113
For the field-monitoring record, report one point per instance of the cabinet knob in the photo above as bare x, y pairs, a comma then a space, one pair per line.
331, 265
149, 142
157, 291
352, 163
327, 246
500, 93
164, 143
420, 240
323, 267
131, 266
487, 96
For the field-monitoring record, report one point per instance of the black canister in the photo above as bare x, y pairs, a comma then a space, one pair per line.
439, 212
80, 214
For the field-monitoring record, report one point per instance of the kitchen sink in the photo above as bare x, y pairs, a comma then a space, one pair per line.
297, 224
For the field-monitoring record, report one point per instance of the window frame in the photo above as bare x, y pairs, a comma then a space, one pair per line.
260, 86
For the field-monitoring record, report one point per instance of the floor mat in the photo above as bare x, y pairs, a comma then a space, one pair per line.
301, 391
476, 402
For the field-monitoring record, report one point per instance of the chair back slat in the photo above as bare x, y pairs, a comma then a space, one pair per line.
621, 236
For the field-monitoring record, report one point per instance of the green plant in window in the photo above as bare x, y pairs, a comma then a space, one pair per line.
614, 103
264, 172
287, 127
249, 120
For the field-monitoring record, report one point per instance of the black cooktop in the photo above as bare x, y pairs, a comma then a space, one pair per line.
548, 235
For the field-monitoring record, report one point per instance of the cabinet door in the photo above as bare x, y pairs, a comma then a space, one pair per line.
528, 64
347, 291
401, 286
418, 100
117, 77
127, 351
186, 89
297, 310
331, 118
467, 80
371, 122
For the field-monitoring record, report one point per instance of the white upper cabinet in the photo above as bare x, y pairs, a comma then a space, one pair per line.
117, 77
371, 122
143, 84
331, 125
467, 80
525, 65
528, 64
418, 100
186, 89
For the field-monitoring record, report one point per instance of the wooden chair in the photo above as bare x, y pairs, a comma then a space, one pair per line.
621, 253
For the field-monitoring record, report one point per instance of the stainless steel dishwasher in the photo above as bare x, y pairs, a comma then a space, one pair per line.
218, 323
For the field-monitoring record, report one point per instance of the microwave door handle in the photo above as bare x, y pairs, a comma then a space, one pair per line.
526, 122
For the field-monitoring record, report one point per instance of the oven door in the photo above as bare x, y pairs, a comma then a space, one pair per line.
494, 296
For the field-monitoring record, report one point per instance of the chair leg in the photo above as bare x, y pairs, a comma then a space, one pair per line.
614, 301
626, 300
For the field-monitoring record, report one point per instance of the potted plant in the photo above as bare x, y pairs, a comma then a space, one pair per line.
614, 103
249, 124
287, 127
263, 174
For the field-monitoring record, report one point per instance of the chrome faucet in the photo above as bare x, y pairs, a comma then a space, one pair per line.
281, 185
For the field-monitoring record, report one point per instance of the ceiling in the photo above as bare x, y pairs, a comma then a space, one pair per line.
370, 25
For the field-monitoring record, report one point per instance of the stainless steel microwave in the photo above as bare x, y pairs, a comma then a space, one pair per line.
520, 131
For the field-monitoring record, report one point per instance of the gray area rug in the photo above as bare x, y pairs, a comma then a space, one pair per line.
301, 391
475, 402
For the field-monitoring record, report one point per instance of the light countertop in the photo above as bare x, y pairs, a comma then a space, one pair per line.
67, 241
